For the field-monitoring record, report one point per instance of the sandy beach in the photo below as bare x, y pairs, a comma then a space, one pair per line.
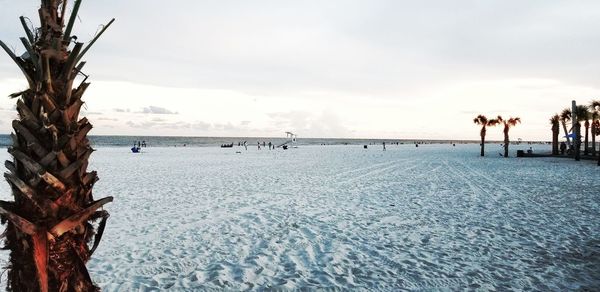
343, 217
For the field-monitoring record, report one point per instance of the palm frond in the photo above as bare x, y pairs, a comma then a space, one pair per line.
494, 122
555, 120
582, 113
480, 120
565, 115
595, 105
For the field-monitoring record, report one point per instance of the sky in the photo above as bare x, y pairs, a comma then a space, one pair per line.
336, 68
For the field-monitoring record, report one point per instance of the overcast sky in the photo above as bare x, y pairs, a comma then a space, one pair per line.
368, 69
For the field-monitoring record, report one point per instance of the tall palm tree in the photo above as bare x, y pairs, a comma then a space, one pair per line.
49, 222
582, 115
595, 116
555, 122
511, 122
565, 116
484, 122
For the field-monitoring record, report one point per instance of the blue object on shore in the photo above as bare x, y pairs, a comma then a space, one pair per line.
135, 149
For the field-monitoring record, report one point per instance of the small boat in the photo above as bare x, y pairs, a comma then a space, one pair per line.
227, 145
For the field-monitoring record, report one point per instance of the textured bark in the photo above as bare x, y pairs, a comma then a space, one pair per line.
564, 124
555, 132
577, 141
587, 132
50, 222
594, 134
506, 140
482, 134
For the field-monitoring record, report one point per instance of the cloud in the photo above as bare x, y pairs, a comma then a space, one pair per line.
156, 110
91, 113
203, 126
403, 56
323, 125
107, 119
159, 123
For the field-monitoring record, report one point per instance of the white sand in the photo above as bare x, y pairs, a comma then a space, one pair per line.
433, 217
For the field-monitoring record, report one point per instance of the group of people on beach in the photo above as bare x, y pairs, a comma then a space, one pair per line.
258, 144
139, 144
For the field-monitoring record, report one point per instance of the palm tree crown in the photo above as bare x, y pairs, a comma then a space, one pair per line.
555, 120
481, 120
511, 122
581, 113
595, 106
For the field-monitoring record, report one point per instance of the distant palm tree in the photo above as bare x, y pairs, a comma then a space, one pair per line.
565, 116
484, 122
555, 122
595, 116
583, 115
511, 122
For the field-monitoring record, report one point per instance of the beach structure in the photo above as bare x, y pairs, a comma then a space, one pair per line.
291, 138
290, 135
49, 222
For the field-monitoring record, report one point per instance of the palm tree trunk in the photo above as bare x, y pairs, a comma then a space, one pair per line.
593, 134
587, 132
482, 134
506, 141
564, 124
49, 223
555, 133
594, 129
577, 128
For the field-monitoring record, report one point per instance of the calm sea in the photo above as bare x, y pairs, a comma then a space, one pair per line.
163, 141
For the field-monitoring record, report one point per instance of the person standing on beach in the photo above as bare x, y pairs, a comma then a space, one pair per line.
245, 145
270, 144
383, 146
258, 143
563, 148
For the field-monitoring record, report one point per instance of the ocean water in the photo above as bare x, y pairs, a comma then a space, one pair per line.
433, 217
172, 141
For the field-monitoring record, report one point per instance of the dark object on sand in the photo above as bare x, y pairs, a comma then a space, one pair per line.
135, 149
227, 145
520, 153
285, 147
365, 146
